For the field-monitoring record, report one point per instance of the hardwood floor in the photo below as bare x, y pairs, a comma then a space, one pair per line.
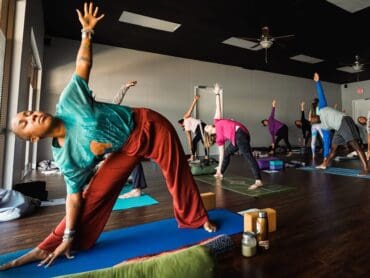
323, 226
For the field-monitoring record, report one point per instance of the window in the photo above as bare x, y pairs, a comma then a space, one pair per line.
6, 34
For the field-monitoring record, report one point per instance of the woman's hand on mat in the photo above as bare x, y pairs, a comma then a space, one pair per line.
316, 77
89, 19
63, 248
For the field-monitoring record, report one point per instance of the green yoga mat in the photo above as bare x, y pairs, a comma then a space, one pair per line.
241, 184
135, 202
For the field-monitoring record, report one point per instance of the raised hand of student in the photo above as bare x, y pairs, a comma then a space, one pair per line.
130, 84
90, 17
274, 103
217, 89
316, 77
196, 97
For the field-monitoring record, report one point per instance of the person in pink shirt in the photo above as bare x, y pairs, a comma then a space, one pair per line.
224, 130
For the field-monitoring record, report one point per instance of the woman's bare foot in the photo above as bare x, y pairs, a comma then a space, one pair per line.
35, 254
257, 184
363, 173
136, 192
209, 227
321, 166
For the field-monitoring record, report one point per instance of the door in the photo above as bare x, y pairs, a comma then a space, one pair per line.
360, 107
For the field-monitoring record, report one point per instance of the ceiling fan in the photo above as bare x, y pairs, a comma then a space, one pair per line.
356, 66
265, 40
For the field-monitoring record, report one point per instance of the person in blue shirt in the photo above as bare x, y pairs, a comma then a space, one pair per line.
344, 126
83, 131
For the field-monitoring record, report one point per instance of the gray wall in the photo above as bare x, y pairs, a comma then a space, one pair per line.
29, 16
166, 84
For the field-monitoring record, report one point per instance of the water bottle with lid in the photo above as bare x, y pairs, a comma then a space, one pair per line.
262, 230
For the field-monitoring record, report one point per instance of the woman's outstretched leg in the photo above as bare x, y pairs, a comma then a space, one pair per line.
157, 139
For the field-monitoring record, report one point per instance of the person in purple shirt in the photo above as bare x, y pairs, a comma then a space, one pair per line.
278, 131
229, 130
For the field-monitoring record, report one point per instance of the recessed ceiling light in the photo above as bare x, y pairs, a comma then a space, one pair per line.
351, 6
306, 59
149, 22
242, 43
349, 69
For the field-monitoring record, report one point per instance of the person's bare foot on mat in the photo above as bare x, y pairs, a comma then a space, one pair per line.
363, 173
209, 227
35, 254
257, 184
322, 166
136, 192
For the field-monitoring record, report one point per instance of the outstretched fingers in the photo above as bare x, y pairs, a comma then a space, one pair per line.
91, 8
96, 11
7, 266
85, 8
48, 260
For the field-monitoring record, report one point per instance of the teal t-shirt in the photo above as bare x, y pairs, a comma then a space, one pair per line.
89, 125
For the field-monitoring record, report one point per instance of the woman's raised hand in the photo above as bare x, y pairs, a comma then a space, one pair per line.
217, 89
90, 17
316, 77
130, 84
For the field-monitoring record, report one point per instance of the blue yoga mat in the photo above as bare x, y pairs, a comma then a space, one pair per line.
135, 202
122, 244
337, 171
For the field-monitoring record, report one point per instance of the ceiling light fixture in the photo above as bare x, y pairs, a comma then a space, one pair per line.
266, 43
148, 22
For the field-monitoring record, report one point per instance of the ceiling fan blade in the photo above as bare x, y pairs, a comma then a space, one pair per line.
284, 37
283, 45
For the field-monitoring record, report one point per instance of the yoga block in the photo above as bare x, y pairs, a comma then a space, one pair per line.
209, 200
250, 219
276, 164
264, 163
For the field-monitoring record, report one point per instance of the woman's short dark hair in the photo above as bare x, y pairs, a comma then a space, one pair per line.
263, 122
181, 121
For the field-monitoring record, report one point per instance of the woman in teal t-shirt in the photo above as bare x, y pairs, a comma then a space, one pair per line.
83, 131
